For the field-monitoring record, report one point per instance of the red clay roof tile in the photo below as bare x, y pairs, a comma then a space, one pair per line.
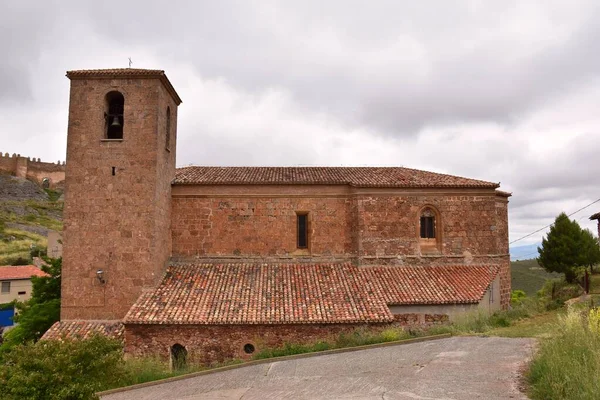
10, 272
302, 293
449, 284
353, 176
74, 329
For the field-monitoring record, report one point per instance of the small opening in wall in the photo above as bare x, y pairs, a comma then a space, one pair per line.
249, 348
302, 230
46, 183
22, 293
114, 171
178, 357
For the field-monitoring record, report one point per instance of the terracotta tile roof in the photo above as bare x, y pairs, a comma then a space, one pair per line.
125, 73
595, 216
301, 293
258, 294
10, 272
353, 176
450, 284
84, 329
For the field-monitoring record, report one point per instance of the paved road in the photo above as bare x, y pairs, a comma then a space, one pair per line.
454, 368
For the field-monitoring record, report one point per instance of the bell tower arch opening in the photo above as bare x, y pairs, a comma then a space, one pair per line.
115, 105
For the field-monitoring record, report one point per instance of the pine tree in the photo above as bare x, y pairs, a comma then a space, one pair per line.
567, 248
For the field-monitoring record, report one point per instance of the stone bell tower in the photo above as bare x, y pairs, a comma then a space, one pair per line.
121, 144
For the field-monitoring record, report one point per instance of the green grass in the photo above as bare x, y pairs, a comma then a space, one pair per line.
359, 337
595, 283
528, 276
567, 364
17, 244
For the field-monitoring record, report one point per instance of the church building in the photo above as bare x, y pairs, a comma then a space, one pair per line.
218, 262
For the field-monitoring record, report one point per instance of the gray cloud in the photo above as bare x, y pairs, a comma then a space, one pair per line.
497, 91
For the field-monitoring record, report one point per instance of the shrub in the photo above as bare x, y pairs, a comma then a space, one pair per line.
18, 261
517, 297
71, 369
594, 321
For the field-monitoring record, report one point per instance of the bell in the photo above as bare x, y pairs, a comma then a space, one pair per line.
116, 122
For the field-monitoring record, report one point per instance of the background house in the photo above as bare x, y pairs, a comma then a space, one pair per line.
15, 284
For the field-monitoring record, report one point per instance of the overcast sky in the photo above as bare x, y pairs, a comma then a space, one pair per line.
497, 90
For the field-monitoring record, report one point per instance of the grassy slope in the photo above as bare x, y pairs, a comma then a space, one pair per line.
30, 216
528, 276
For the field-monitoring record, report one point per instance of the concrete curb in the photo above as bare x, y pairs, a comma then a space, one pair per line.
271, 360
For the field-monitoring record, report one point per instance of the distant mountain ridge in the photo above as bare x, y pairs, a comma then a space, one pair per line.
526, 252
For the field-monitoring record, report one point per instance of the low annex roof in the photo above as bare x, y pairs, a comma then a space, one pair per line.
451, 284
75, 329
12, 272
399, 177
302, 293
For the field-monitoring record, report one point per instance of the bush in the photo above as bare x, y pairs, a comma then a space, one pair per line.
567, 365
555, 292
517, 297
18, 261
36, 315
72, 369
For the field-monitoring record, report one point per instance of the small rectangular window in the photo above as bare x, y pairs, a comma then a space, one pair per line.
22, 293
427, 227
302, 222
5, 287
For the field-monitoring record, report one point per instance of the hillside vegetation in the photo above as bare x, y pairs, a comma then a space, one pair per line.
27, 213
528, 276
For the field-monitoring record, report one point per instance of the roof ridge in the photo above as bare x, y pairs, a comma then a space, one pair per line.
384, 176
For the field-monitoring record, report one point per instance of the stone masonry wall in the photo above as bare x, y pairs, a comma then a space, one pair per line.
117, 223
260, 227
33, 169
207, 344
370, 227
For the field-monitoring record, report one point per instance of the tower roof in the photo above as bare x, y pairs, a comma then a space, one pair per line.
596, 216
124, 73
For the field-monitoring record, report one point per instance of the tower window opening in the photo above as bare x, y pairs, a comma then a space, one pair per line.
302, 230
115, 104
168, 130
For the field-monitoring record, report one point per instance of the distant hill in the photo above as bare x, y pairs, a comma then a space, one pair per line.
527, 252
528, 276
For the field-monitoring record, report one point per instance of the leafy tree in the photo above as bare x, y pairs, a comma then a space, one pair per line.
68, 369
36, 315
567, 248
590, 249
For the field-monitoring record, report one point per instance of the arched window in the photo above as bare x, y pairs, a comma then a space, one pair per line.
178, 357
46, 183
115, 104
430, 240
168, 131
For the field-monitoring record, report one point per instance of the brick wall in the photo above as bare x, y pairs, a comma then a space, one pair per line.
207, 344
116, 223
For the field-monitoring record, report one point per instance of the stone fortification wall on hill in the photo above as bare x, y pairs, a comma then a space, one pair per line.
45, 173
